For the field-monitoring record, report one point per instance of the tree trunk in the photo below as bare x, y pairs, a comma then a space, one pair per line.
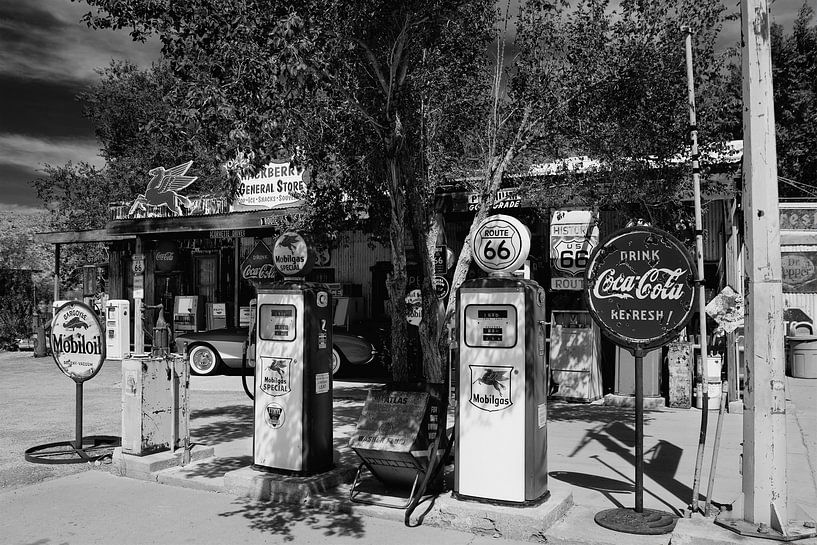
397, 279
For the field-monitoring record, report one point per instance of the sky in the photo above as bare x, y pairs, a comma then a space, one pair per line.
47, 56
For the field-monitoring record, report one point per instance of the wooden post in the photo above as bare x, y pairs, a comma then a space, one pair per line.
764, 416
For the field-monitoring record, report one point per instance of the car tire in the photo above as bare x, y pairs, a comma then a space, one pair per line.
336, 360
203, 360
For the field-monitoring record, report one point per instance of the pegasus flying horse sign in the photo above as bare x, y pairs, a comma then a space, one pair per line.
163, 188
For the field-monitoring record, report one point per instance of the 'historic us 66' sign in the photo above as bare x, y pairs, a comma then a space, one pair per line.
501, 244
639, 287
77, 341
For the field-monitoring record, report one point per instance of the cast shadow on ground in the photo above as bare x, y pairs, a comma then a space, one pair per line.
560, 411
233, 422
660, 462
280, 519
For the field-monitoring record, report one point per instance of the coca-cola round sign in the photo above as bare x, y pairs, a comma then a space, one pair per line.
640, 287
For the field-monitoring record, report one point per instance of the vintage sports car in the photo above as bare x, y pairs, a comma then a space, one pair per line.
209, 352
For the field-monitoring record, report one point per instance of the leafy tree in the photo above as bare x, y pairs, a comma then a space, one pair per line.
24, 273
794, 65
589, 80
346, 82
385, 101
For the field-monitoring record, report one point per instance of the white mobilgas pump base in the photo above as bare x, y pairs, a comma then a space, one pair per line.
501, 419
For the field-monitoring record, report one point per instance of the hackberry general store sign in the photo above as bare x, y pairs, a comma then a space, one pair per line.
277, 185
77, 342
639, 287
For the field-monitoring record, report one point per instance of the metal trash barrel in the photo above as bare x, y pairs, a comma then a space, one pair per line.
803, 358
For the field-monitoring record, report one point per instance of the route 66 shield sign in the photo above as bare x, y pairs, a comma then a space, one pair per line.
501, 244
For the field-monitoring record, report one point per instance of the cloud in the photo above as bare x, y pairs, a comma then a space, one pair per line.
30, 152
45, 40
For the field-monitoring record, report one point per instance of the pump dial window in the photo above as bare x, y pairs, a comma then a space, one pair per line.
490, 326
277, 322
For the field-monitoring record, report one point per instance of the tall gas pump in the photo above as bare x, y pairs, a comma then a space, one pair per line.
501, 418
293, 378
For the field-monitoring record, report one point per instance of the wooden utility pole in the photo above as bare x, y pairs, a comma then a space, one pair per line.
764, 415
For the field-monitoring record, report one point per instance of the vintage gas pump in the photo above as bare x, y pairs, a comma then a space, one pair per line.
501, 418
117, 328
293, 378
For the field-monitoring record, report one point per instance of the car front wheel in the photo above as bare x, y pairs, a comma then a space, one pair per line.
203, 360
335, 361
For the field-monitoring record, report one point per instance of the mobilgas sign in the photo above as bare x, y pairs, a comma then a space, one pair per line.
639, 287
292, 256
77, 341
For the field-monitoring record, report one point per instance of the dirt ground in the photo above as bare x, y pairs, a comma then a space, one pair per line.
38, 406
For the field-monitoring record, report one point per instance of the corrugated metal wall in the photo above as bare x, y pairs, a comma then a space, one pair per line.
352, 260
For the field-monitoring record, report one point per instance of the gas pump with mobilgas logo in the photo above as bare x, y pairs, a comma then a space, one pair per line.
293, 356
501, 418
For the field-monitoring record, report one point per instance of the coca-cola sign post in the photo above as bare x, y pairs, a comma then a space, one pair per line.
640, 289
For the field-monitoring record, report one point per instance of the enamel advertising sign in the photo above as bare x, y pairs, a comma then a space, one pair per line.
501, 244
573, 236
77, 341
258, 265
277, 185
292, 255
640, 287
799, 272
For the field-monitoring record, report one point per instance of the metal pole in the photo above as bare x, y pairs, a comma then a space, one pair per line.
715, 447
56, 272
138, 332
699, 250
764, 415
78, 435
639, 431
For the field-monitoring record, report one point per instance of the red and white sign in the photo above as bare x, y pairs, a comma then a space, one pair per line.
573, 236
258, 264
292, 256
501, 244
77, 341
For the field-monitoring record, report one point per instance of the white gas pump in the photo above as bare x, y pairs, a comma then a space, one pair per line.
293, 378
117, 325
501, 442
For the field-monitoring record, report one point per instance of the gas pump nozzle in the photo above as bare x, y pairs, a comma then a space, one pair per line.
161, 332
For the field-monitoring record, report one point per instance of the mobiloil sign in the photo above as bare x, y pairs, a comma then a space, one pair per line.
293, 379
77, 341
502, 406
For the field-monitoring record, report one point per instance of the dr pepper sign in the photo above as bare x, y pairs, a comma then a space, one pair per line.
640, 287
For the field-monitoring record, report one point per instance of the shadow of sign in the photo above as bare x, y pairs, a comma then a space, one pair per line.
660, 462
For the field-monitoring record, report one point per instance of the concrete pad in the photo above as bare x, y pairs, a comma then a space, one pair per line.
247, 482
508, 522
579, 528
699, 530
614, 400
147, 467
